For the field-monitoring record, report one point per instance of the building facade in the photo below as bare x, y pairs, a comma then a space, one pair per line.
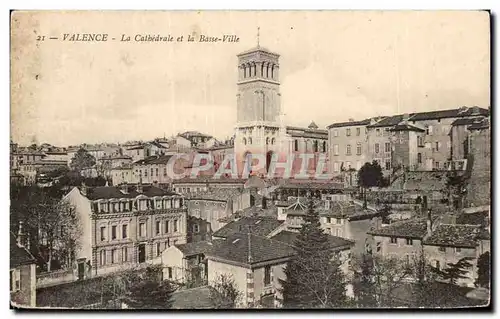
125, 226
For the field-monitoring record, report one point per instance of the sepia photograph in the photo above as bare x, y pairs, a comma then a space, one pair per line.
175, 160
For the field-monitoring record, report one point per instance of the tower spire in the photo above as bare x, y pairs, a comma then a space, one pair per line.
258, 37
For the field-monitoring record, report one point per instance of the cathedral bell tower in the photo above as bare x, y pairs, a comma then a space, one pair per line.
258, 104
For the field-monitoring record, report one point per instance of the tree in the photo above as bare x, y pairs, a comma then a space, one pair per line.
313, 278
454, 271
149, 294
223, 293
378, 278
483, 270
364, 285
82, 160
370, 175
424, 278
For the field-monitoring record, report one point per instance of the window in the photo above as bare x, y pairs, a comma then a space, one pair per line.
142, 229
442, 248
419, 158
250, 141
113, 256
420, 141
165, 171
146, 172
166, 227
15, 280
437, 146
348, 132
377, 131
103, 257
339, 221
335, 133
124, 254
358, 149
169, 270
336, 167
157, 172
335, 149
158, 249
358, 131
409, 241
387, 147
196, 228
113, 232
438, 264
394, 240
379, 247
377, 148
458, 249
157, 224
151, 172
175, 225
437, 165
103, 233
324, 146
348, 149
387, 165
267, 275
328, 220
429, 130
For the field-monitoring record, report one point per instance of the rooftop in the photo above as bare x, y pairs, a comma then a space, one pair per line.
350, 123
291, 237
220, 194
296, 131
109, 192
195, 248
346, 209
414, 228
19, 255
405, 126
249, 249
260, 225
258, 49
454, 236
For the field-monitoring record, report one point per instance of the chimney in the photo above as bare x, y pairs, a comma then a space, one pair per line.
351, 120
125, 188
21, 236
84, 189
406, 116
429, 223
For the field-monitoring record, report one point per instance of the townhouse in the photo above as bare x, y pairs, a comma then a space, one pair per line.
126, 226
22, 272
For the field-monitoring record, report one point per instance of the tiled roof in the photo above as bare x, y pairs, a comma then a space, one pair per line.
238, 248
454, 236
261, 226
309, 184
221, 194
290, 238
345, 209
138, 147
350, 123
19, 255
258, 49
388, 121
196, 248
257, 210
108, 192
480, 125
458, 112
464, 121
414, 228
306, 132
405, 126
155, 159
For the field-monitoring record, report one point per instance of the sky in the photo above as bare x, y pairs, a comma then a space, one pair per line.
334, 65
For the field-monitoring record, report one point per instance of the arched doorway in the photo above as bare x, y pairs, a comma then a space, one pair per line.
269, 157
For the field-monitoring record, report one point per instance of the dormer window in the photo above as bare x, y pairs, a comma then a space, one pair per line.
394, 240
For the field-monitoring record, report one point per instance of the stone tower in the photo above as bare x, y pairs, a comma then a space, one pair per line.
258, 104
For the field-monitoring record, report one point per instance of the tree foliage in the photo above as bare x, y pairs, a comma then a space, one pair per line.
454, 271
455, 187
370, 175
314, 278
150, 294
82, 160
52, 226
483, 270
223, 293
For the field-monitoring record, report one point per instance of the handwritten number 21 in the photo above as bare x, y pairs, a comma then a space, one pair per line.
40, 38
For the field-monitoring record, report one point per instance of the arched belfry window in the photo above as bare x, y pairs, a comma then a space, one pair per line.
262, 69
315, 146
324, 146
244, 71
267, 140
244, 141
273, 141
254, 69
296, 146
249, 141
272, 71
